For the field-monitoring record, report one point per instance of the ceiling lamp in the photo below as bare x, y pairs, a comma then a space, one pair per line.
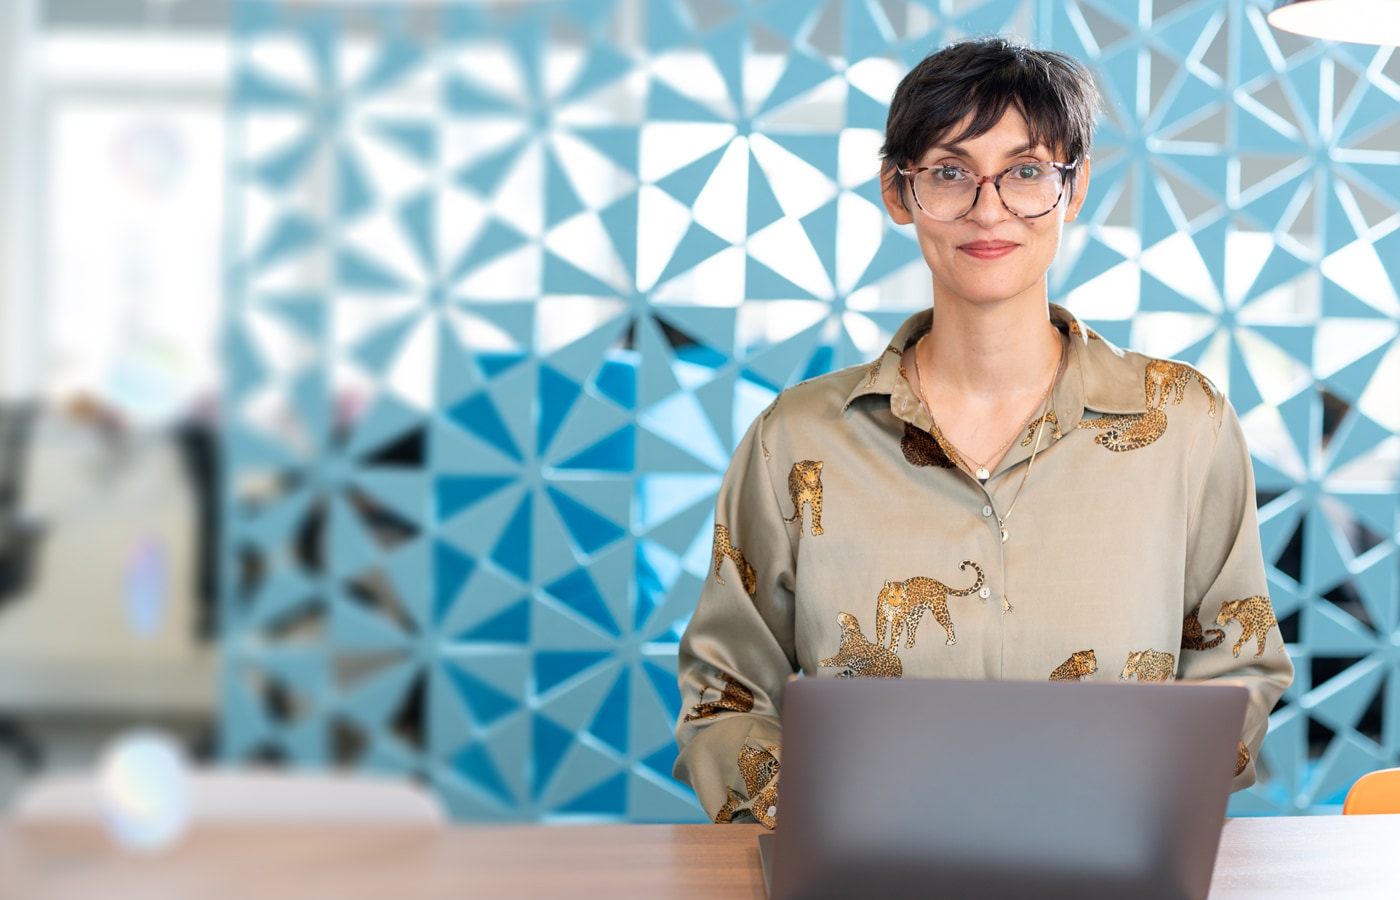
1356, 21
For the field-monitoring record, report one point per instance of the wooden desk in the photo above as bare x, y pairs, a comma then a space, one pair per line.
1277, 859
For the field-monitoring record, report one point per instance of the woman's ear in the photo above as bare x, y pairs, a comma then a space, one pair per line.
1081, 190
893, 195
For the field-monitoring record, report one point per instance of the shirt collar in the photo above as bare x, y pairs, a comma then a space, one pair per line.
1097, 376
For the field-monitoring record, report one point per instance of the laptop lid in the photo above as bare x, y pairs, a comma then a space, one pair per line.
1002, 789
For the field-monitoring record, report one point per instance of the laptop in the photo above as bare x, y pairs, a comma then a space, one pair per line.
928, 788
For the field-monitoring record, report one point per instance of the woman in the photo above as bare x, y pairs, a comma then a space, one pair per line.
1002, 494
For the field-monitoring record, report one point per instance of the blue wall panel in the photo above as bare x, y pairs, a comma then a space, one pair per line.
509, 282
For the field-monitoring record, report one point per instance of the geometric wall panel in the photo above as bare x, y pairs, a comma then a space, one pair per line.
509, 281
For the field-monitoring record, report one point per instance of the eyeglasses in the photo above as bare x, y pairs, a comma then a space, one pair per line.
1027, 190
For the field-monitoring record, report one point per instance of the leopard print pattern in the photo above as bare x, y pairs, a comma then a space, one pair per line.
1128, 432
759, 768
902, 604
735, 698
1192, 635
1256, 617
858, 658
724, 547
1080, 665
1078, 330
1035, 425
1149, 665
763, 445
1163, 377
805, 487
921, 450
875, 366
1241, 759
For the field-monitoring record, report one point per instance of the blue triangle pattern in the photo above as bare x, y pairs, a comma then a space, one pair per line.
554, 667
353, 193
419, 140
610, 723
617, 378
615, 453
487, 704
666, 687
478, 414
607, 799
548, 744
496, 240
591, 531
665, 104
557, 396
451, 569
291, 234
359, 273
282, 170
686, 183
578, 592
513, 549
509, 626
454, 493
475, 764
663, 761
484, 175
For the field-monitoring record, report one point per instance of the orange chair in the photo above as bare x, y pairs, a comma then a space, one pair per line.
1375, 792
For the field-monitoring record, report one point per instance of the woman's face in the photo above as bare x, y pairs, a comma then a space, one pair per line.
989, 255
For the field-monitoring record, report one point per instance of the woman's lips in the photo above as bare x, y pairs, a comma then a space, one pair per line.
988, 249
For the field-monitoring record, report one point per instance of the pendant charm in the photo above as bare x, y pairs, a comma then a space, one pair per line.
1003, 535
983, 474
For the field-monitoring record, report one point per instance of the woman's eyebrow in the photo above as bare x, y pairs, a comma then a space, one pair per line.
957, 149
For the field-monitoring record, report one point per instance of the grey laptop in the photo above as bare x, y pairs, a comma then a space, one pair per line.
1001, 789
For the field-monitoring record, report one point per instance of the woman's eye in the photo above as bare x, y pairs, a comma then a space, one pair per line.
947, 173
1026, 173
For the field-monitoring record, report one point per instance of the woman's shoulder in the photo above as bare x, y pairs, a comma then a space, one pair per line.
821, 397
1128, 382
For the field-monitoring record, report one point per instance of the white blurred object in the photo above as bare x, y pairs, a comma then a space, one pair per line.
143, 791
253, 796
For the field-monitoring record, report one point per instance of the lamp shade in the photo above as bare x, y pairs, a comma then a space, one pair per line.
1355, 21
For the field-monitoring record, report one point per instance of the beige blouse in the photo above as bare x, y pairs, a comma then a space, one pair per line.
1133, 553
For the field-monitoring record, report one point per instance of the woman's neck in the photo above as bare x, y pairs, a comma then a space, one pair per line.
991, 350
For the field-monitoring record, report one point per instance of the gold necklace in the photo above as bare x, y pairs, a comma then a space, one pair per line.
1006, 606
981, 472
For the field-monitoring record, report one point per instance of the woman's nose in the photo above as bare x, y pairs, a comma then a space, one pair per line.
987, 208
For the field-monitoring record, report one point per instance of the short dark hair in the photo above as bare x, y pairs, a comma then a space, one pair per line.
977, 80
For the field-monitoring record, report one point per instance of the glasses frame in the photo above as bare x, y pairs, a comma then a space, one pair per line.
1064, 168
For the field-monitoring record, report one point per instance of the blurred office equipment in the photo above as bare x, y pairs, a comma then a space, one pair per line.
80, 651
1375, 792
19, 535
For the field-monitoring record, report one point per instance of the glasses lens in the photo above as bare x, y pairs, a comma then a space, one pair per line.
945, 192
1031, 189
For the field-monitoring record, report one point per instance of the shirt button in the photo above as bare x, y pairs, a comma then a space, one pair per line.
985, 593
772, 811
986, 510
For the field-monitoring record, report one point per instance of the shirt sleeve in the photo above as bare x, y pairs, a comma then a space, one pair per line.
738, 650
1237, 639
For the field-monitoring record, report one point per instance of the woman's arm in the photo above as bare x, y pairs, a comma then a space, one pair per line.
738, 650
1226, 588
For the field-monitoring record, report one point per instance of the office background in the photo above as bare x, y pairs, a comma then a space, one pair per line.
473, 302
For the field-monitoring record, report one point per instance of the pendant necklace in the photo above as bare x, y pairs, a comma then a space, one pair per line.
980, 470
982, 473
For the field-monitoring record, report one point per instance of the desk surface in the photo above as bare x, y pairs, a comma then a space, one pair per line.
1279, 859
